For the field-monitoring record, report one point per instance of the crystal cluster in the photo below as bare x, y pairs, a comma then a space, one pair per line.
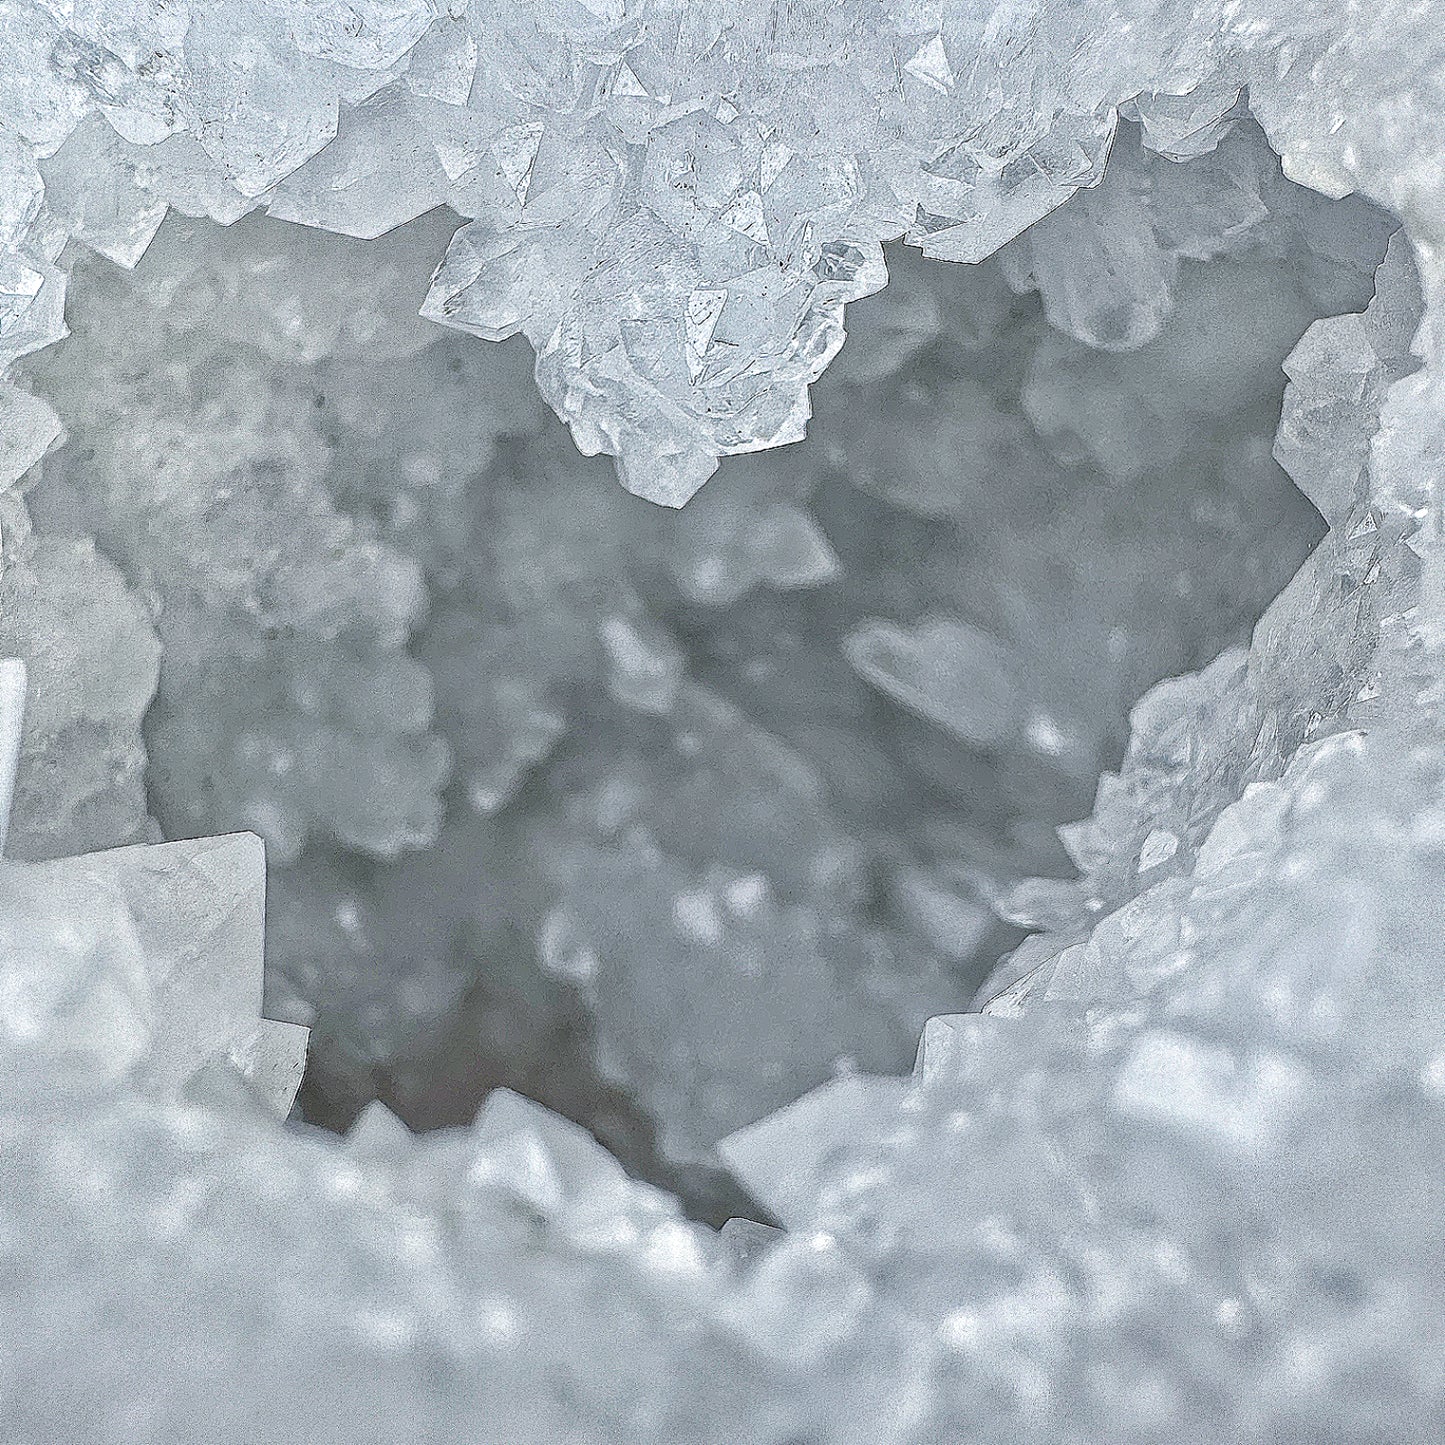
138, 969
967, 718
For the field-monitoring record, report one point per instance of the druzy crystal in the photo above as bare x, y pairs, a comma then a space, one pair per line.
793, 649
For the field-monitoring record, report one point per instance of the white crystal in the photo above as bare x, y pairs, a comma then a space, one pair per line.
1181, 1180
946, 669
198, 914
929, 64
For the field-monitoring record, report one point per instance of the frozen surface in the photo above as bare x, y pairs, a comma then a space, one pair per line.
690, 823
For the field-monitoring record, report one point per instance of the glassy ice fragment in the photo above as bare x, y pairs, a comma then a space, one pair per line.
378, 1134
626, 84
275, 1062
1183, 127
79, 1007
380, 171
545, 1160
704, 307
366, 34
1159, 847
92, 660
745, 1241
21, 189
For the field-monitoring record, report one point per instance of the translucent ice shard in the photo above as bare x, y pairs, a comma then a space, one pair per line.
141, 964
79, 1010
273, 1061
1339, 373
91, 185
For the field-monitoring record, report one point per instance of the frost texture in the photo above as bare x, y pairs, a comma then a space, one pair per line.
1180, 1176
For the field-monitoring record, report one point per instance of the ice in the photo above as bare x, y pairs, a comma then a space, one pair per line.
79, 1007
1339, 373
361, 118
1186, 125
747, 1239
352, 187
274, 1062
138, 965
197, 914
118, 222
28, 429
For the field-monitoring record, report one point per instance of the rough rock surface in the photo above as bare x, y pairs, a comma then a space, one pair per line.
724, 802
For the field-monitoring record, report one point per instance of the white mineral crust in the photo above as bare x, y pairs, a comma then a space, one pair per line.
340, 690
